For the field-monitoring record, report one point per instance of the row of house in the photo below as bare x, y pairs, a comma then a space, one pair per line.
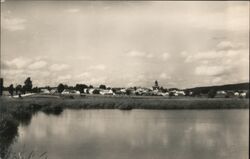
143, 91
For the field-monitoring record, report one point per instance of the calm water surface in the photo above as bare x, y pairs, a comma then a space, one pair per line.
138, 134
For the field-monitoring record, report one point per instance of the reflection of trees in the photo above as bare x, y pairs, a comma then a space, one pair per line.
8, 132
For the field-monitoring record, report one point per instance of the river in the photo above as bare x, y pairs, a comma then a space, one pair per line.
137, 134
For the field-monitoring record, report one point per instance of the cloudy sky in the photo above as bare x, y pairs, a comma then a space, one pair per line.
180, 44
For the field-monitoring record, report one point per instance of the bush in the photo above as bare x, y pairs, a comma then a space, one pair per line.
96, 91
212, 93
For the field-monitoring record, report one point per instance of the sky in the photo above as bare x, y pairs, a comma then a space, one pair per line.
122, 44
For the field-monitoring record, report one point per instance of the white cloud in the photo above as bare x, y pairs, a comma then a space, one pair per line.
164, 76
135, 53
98, 67
12, 72
224, 50
216, 80
233, 18
64, 78
149, 56
13, 24
72, 10
227, 45
37, 65
98, 80
58, 67
19, 62
165, 56
83, 75
184, 53
209, 70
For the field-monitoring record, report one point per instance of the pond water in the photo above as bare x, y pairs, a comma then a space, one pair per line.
138, 134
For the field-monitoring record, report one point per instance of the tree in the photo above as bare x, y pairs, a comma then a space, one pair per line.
36, 90
212, 93
187, 92
102, 86
96, 91
171, 94
18, 88
60, 88
48, 88
27, 85
11, 89
247, 94
81, 87
90, 86
128, 91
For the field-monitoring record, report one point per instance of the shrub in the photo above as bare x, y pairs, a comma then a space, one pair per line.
212, 93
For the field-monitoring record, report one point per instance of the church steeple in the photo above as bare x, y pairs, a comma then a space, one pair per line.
156, 86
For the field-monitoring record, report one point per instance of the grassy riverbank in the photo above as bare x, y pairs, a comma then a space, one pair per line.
98, 102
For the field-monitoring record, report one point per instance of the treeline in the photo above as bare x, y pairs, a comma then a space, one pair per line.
26, 87
229, 87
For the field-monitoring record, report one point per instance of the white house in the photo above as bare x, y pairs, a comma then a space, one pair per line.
106, 92
45, 91
67, 91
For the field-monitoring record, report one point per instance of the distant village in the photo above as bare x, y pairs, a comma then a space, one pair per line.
156, 90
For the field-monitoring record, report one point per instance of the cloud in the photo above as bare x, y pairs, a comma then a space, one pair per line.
228, 45
12, 72
98, 80
19, 62
13, 24
37, 65
135, 53
233, 18
164, 76
64, 78
72, 10
209, 70
149, 56
98, 67
58, 67
83, 75
223, 51
165, 56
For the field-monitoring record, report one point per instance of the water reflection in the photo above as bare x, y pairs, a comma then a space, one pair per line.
140, 134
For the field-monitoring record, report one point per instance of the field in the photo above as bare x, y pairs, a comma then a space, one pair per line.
132, 102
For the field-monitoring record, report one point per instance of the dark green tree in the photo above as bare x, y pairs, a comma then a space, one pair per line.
212, 93
102, 86
18, 88
35, 90
27, 85
96, 91
11, 89
81, 87
90, 86
60, 88
247, 94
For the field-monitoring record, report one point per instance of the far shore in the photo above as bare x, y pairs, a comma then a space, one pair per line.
123, 102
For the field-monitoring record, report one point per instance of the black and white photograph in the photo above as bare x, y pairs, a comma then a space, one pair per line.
124, 79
